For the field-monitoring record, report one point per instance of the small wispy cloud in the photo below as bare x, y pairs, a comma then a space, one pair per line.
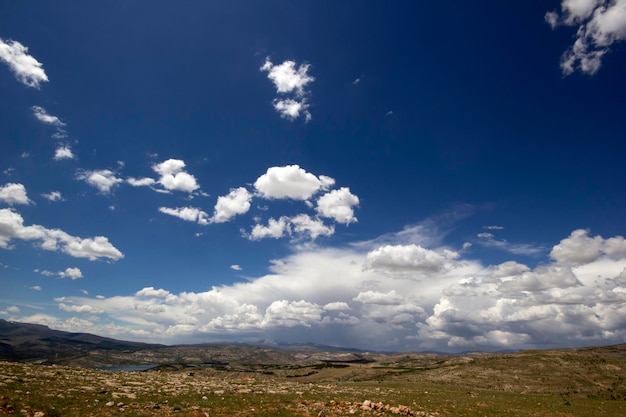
43, 116
490, 241
53, 196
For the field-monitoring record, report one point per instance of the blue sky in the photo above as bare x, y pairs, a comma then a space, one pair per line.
379, 175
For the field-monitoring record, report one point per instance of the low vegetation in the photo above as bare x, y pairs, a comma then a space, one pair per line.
554, 383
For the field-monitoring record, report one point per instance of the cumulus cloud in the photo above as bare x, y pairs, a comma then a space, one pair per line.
292, 182
12, 227
600, 24
338, 204
290, 82
409, 258
53, 196
190, 214
73, 273
173, 176
509, 305
278, 183
26, 68
237, 201
236, 267
292, 109
542, 278
83, 309
151, 292
104, 180
304, 224
296, 226
287, 78
292, 313
580, 248
509, 268
375, 297
65, 152
13, 193
274, 229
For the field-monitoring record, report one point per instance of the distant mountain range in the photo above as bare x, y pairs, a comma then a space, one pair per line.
35, 342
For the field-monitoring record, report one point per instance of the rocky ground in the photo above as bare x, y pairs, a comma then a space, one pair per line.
39, 391
568, 383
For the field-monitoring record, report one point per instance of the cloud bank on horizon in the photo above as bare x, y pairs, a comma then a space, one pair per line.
394, 296
327, 269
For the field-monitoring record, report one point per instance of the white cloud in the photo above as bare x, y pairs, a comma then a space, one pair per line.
42, 115
601, 23
104, 180
509, 268
580, 248
73, 273
53, 196
441, 303
338, 204
290, 81
190, 214
153, 293
287, 78
274, 229
237, 201
300, 225
236, 267
83, 309
141, 182
337, 306
35, 288
303, 224
13, 193
493, 227
375, 297
10, 310
292, 109
290, 181
542, 278
64, 152
26, 68
488, 240
292, 313
409, 258
12, 227
174, 177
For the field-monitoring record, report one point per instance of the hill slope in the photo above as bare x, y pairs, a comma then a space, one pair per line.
34, 342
